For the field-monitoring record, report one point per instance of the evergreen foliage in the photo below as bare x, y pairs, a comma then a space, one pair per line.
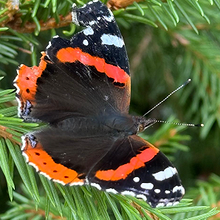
168, 42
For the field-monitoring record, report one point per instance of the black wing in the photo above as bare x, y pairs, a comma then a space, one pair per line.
87, 75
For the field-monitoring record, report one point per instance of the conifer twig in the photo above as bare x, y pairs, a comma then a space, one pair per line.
9, 12
29, 27
116, 4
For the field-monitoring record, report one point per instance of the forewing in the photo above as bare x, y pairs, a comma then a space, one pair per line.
87, 75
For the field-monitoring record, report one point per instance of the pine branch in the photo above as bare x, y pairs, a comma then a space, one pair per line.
7, 13
152, 13
117, 4
30, 27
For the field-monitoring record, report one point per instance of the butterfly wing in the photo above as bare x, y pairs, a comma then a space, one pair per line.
137, 168
87, 75
126, 165
62, 156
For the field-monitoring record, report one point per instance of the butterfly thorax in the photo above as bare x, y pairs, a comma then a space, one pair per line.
105, 125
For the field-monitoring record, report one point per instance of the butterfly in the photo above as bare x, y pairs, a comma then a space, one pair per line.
81, 89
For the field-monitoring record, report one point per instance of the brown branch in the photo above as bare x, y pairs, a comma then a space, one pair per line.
43, 214
141, 210
10, 10
12, 19
29, 27
6, 135
15, 21
181, 39
116, 4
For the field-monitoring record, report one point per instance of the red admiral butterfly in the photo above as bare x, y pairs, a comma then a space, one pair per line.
81, 88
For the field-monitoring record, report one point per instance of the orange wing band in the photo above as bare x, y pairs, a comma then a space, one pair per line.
41, 160
72, 55
124, 170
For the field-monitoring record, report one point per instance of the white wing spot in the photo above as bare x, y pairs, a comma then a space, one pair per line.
179, 188
129, 193
175, 203
88, 31
49, 45
109, 18
56, 36
157, 191
160, 205
165, 174
110, 190
108, 39
147, 185
91, 23
169, 204
74, 17
167, 191
136, 179
141, 196
97, 186
111, 14
85, 42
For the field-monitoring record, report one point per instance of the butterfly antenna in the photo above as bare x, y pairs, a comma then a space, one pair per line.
178, 123
180, 87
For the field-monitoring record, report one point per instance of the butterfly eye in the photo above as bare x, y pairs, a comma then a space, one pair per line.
140, 127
